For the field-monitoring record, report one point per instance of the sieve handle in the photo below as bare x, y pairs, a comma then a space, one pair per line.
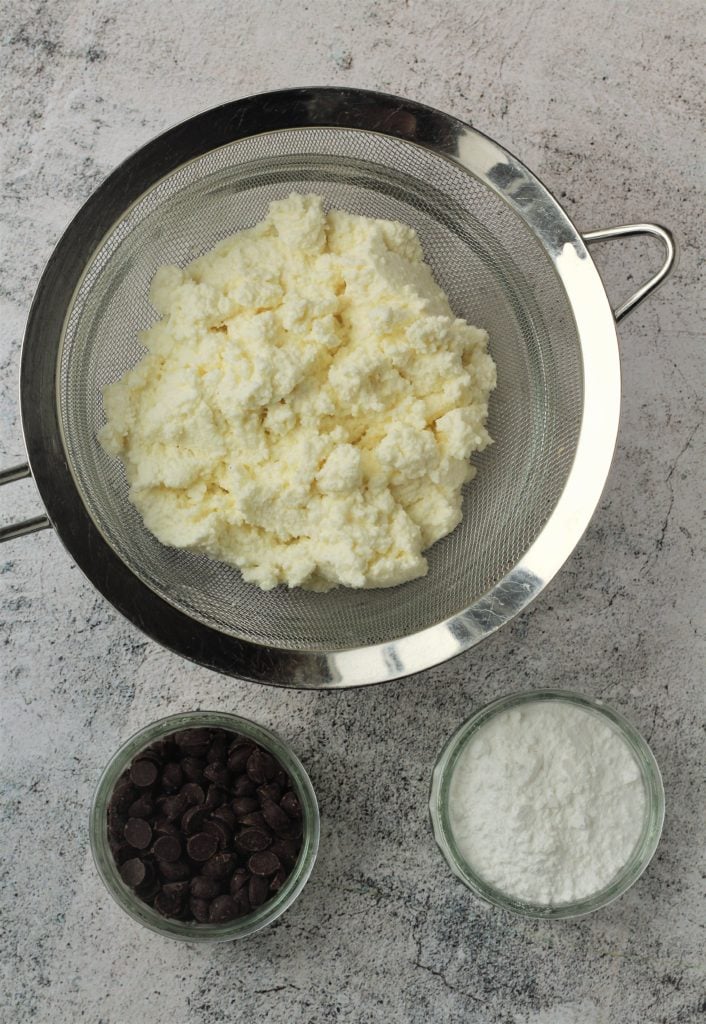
8, 476
663, 234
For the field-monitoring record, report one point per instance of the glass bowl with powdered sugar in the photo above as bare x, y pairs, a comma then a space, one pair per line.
547, 804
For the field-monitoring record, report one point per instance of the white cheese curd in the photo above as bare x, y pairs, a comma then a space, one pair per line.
307, 405
547, 802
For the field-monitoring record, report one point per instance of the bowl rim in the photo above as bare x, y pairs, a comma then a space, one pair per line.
642, 853
193, 932
354, 109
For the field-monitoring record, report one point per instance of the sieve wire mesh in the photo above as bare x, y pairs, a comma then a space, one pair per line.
496, 275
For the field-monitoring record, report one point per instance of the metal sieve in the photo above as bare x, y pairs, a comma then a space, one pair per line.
510, 261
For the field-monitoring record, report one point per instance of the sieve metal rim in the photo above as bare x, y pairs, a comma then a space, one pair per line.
324, 108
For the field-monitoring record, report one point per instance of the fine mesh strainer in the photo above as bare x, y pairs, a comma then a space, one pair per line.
510, 261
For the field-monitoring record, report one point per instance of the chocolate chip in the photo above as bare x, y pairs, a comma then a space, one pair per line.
270, 791
225, 814
222, 909
165, 828
180, 889
218, 751
243, 786
192, 769
276, 817
216, 796
286, 849
240, 878
122, 796
265, 863
201, 846
138, 833
193, 819
167, 904
189, 738
155, 752
205, 888
278, 881
241, 901
258, 890
172, 777
174, 806
150, 887
193, 794
144, 773
123, 852
174, 871
290, 805
143, 807
221, 832
199, 909
116, 824
251, 840
261, 767
255, 819
219, 866
244, 805
167, 848
219, 774
238, 758
133, 872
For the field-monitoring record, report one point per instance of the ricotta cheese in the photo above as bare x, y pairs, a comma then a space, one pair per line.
307, 405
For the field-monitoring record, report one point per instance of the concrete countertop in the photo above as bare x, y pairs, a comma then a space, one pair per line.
603, 102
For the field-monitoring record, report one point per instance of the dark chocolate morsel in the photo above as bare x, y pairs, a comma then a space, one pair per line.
138, 833
290, 804
144, 773
221, 909
200, 909
270, 791
252, 840
219, 774
193, 819
205, 888
167, 848
258, 890
172, 776
261, 767
219, 866
174, 870
243, 786
192, 793
276, 817
278, 881
243, 805
238, 757
240, 878
192, 769
220, 831
201, 846
264, 863
133, 872
225, 814
143, 807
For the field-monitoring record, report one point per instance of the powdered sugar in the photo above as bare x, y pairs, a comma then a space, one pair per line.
547, 802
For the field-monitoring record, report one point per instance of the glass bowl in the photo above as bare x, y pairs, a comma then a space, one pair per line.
191, 931
631, 870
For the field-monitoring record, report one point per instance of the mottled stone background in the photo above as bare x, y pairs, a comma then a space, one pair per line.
604, 101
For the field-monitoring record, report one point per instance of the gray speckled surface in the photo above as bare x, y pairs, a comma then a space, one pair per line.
602, 101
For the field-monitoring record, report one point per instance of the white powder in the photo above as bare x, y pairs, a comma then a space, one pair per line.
547, 802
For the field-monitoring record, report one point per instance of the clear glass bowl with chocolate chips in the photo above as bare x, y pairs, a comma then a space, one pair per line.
204, 826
